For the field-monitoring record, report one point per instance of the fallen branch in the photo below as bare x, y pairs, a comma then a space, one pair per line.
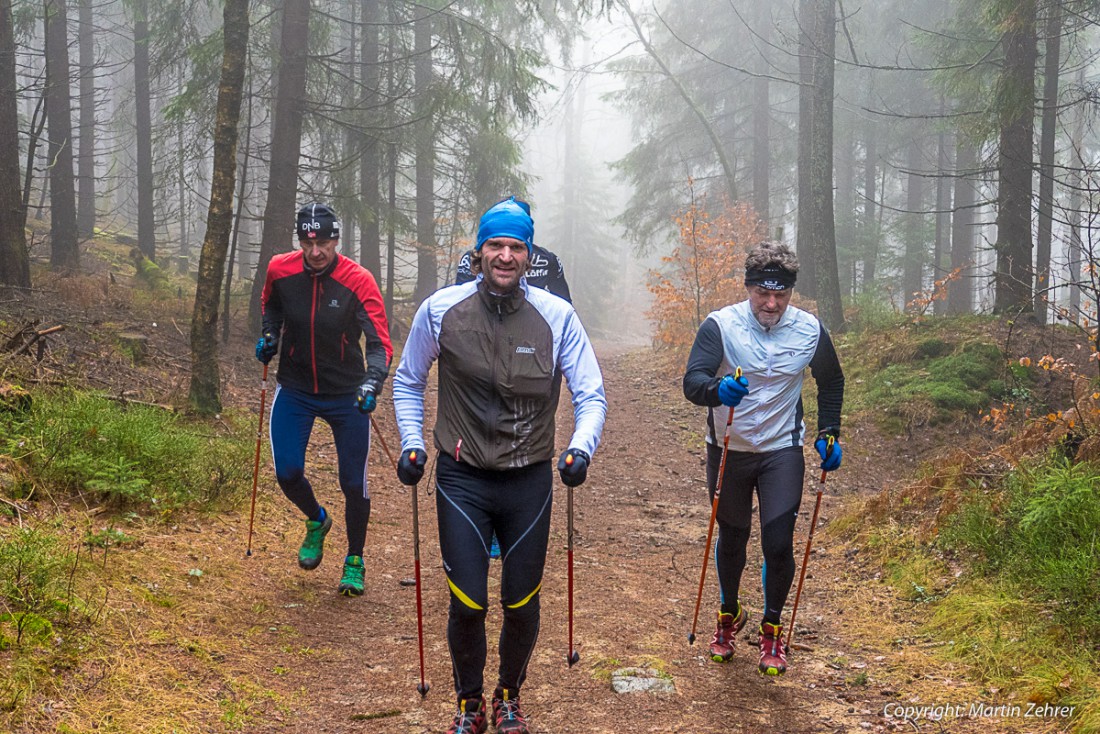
131, 401
35, 337
19, 510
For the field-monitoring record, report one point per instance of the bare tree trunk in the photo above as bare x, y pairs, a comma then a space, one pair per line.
391, 177
960, 291
1076, 203
286, 147
85, 162
426, 275
943, 217
1053, 46
870, 194
205, 394
805, 241
391, 236
238, 217
370, 233
845, 197
761, 120
64, 251
823, 230
1016, 91
147, 238
14, 259
182, 170
912, 268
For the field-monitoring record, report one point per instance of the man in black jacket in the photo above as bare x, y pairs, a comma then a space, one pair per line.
317, 307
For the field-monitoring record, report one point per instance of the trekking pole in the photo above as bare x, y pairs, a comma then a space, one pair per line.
713, 515
256, 463
573, 657
422, 689
382, 441
809, 542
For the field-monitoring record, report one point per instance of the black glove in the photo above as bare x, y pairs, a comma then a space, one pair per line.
267, 347
410, 467
365, 399
573, 467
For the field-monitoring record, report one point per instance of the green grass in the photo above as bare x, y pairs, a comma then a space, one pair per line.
911, 374
44, 615
1008, 583
136, 457
1041, 529
132, 455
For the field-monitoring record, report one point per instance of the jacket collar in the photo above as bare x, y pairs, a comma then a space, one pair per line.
321, 273
784, 320
509, 303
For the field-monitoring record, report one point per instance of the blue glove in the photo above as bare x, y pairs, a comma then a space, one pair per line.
267, 347
410, 467
573, 467
365, 399
830, 451
732, 389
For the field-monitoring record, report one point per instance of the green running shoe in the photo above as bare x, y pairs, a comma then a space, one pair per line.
351, 584
313, 547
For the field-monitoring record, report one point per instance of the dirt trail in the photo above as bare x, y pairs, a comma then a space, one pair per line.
640, 526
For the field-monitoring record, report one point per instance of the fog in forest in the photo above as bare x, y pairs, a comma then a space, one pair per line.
925, 156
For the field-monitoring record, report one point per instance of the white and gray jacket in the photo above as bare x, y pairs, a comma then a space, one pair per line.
774, 361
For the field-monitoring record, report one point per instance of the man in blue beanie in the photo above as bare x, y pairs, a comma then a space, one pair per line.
544, 269
502, 348
508, 229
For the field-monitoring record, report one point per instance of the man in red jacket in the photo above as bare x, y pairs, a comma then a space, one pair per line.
317, 307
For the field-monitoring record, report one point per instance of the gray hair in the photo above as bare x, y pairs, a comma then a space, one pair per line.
772, 253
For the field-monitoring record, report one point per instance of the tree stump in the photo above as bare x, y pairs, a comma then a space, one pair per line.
135, 345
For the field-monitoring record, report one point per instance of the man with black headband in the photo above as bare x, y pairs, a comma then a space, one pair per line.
317, 307
772, 343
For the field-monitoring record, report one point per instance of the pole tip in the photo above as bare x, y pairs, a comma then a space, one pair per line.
422, 689
574, 658
691, 638
248, 552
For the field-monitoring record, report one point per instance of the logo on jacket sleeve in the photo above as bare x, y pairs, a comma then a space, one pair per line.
525, 350
334, 303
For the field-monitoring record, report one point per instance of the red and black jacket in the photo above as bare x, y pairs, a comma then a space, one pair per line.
321, 316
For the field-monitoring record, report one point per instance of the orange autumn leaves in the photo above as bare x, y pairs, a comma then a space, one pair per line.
703, 273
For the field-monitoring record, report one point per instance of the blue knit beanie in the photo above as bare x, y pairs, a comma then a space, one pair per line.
507, 218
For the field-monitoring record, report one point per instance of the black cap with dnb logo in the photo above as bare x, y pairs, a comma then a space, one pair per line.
317, 222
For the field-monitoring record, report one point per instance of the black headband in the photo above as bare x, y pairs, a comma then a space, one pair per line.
772, 277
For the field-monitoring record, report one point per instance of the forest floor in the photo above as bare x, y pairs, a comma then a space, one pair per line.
204, 639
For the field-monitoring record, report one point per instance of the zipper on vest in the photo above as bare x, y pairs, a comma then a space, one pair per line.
495, 409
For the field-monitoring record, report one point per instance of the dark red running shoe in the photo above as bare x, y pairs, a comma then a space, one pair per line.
470, 718
773, 656
721, 645
507, 718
